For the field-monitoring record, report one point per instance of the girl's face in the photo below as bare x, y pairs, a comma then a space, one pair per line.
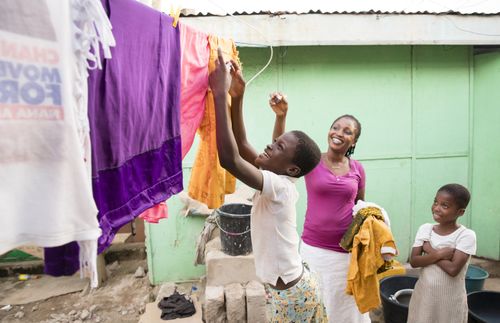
342, 135
445, 209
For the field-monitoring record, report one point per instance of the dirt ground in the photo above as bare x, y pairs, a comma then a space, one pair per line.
122, 298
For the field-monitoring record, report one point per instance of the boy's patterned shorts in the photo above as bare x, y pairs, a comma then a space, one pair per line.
299, 303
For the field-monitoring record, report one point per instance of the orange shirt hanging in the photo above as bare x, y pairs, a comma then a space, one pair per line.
209, 181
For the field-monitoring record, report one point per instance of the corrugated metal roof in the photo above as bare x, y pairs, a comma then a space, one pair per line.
245, 7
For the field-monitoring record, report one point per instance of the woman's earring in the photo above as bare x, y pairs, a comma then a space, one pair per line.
350, 151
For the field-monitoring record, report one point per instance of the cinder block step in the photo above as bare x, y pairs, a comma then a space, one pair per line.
223, 269
214, 308
235, 303
256, 302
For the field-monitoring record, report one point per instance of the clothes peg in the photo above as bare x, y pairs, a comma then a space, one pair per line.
175, 14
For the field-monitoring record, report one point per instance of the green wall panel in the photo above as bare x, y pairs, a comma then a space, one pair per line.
389, 185
430, 175
371, 83
486, 151
441, 99
170, 244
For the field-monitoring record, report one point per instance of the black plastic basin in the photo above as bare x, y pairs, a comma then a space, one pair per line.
395, 312
484, 306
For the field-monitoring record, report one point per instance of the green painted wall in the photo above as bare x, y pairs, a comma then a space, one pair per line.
416, 109
485, 218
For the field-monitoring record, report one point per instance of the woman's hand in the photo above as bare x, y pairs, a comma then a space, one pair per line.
279, 103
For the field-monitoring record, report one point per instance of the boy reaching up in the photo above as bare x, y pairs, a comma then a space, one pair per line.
294, 290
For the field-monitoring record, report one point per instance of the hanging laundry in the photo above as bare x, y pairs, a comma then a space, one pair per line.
134, 117
62, 260
155, 213
195, 54
209, 181
45, 193
90, 26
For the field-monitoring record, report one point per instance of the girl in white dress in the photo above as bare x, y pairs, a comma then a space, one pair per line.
443, 251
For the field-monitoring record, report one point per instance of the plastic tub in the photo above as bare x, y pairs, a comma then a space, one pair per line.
234, 223
484, 306
394, 311
474, 279
402, 296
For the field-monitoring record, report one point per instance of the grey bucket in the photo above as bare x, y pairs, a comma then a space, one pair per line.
233, 221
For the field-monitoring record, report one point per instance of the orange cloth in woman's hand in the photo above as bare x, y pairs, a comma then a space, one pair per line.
362, 280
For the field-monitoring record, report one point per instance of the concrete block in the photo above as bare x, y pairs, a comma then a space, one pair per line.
235, 303
215, 309
223, 269
214, 244
256, 302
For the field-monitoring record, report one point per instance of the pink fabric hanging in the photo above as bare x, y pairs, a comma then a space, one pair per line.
155, 213
195, 54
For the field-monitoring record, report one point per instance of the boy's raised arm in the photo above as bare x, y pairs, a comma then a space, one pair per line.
236, 91
229, 156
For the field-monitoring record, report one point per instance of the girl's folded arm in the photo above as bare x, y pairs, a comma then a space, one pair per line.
454, 266
417, 259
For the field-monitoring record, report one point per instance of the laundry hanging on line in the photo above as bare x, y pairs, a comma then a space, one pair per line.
112, 220
45, 192
209, 182
134, 117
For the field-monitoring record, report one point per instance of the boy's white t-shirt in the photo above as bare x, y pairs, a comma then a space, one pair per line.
462, 239
275, 241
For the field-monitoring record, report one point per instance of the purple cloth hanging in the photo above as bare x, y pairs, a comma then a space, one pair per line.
134, 117
62, 260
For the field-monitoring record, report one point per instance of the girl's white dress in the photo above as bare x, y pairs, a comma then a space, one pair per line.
437, 296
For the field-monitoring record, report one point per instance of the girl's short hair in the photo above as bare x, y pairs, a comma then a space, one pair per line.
460, 194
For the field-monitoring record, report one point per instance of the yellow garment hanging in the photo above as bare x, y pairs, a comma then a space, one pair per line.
209, 181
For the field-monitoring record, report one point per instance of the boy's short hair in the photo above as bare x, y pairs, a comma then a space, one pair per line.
307, 154
460, 194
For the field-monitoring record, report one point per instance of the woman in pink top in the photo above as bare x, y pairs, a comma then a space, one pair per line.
333, 188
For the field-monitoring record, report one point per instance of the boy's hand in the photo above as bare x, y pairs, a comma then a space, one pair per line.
279, 104
220, 79
237, 83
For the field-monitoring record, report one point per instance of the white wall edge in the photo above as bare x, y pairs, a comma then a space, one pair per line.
351, 29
